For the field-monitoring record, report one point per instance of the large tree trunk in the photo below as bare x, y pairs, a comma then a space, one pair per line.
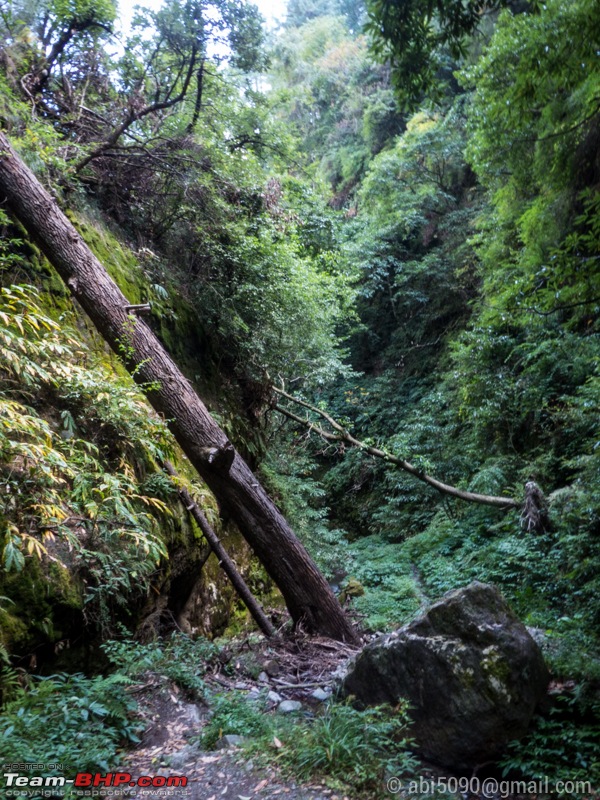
307, 594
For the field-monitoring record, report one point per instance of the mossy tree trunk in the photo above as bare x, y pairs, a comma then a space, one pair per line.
308, 596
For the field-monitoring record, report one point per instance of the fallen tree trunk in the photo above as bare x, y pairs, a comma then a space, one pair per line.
342, 435
225, 561
307, 594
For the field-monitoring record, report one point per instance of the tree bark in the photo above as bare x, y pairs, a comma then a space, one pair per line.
307, 594
225, 561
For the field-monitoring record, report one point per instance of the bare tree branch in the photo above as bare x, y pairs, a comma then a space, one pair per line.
225, 561
342, 435
134, 116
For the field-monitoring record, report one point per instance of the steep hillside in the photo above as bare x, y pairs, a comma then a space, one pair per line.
371, 243
95, 535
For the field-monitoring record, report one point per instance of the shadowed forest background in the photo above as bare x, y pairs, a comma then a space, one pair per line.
388, 211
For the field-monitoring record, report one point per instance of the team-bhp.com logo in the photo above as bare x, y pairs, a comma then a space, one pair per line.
87, 780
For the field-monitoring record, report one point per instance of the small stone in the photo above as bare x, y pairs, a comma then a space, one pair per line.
192, 713
253, 695
230, 740
274, 698
263, 677
289, 707
271, 668
321, 695
179, 759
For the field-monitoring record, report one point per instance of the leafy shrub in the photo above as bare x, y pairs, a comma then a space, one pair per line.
83, 468
179, 658
69, 720
357, 747
232, 714
572, 652
288, 474
559, 746
342, 743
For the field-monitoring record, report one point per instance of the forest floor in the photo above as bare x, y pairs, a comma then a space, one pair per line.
293, 668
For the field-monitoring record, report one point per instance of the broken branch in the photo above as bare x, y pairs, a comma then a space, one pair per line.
225, 560
342, 435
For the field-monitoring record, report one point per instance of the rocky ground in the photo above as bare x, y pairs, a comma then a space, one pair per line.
297, 671
294, 674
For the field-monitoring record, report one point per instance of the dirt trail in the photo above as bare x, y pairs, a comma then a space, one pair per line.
295, 669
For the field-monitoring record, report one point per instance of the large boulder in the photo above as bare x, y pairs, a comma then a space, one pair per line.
470, 670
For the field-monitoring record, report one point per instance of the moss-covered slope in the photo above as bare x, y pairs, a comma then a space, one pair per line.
92, 531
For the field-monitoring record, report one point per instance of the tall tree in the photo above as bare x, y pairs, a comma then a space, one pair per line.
112, 107
411, 35
309, 598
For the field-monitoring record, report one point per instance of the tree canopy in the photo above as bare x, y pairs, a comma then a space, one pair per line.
420, 39
370, 238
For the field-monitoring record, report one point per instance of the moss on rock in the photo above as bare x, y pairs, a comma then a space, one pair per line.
46, 605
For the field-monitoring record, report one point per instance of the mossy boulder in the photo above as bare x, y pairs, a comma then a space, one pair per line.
470, 670
42, 605
352, 588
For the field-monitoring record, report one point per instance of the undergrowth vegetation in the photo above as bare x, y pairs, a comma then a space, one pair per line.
79, 723
423, 268
76, 444
560, 746
73, 722
350, 750
179, 658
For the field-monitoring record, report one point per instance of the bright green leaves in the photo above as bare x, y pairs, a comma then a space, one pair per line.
13, 558
35, 474
284, 307
412, 35
246, 36
418, 177
536, 95
30, 346
71, 486
408, 236
533, 127
81, 12
69, 720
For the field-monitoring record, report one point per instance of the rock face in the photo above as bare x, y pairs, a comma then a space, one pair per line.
471, 671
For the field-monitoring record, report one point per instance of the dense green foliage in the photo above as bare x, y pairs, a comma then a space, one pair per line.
358, 748
179, 658
74, 722
351, 749
399, 225
80, 723
473, 235
557, 745
423, 38
69, 450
